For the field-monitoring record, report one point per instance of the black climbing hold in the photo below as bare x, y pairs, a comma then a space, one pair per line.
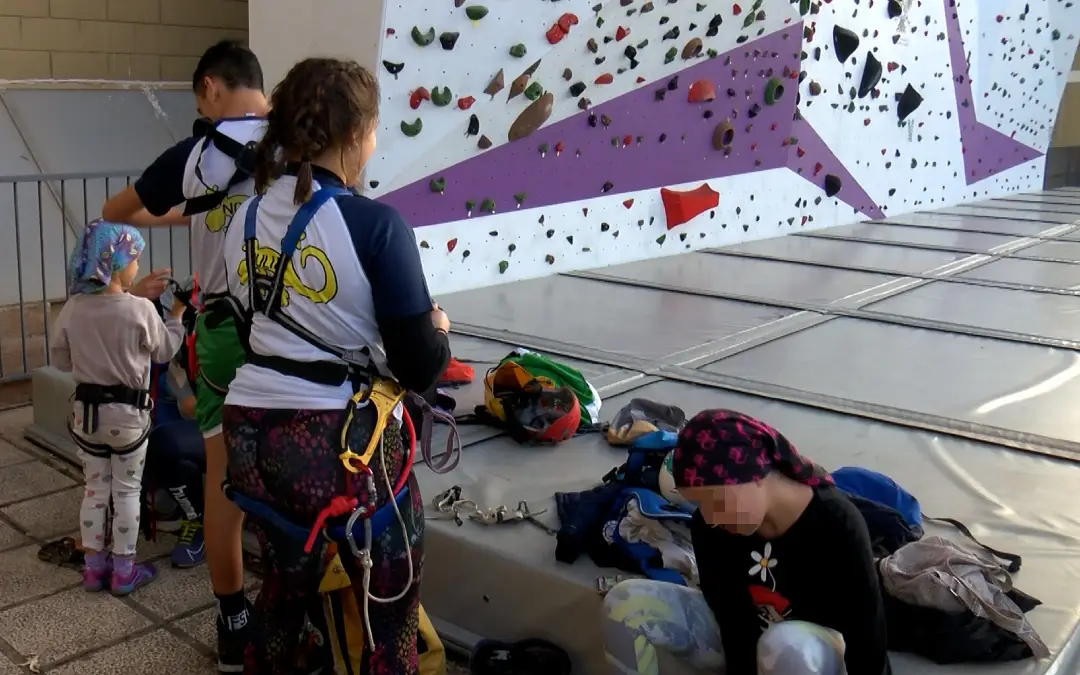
673, 83
373, 184
630, 52
661, 94
608, 185
577, 88
832, 185
844, 42
753, 111
448, 40
871, 74
593, 119
895, 9
474, 125
908, 102
393, 68
672, 34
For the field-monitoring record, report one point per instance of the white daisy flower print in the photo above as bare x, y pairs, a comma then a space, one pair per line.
763, 562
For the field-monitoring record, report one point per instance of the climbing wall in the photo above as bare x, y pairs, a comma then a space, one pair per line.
525, 137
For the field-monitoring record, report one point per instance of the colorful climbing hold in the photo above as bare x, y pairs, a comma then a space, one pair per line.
723, 135
418, 96
518, 51
774, 90
692, 49
465, 102
488, 206
532, 118
476, 12
533, 91
438, 185
496, 84
441, 96
621, 33
700, 91
606, 78
518, 85
425, 38
683, 206
503, 266
412, 129
451, 245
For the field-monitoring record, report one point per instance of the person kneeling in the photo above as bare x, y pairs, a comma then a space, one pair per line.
787, 576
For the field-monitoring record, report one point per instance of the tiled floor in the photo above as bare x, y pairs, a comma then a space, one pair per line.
48, 622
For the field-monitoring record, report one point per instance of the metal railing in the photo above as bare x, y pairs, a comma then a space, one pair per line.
40, 216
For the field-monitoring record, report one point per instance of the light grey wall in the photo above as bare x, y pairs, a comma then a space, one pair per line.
91, 132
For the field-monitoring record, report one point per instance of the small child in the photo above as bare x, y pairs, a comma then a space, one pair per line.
107, 339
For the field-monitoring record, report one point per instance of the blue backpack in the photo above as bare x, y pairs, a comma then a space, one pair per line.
893, 515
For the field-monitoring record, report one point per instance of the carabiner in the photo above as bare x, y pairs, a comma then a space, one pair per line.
348, 457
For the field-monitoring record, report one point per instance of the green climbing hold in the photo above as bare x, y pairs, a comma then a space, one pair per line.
470, 205
412, 129
518, 50
712, 53
423, 39
511, 248
661, 239
1055, 34
534, 91
503, 266
441, 96
543, 149
671, 54
438, 185
476, 12
520, 198
774, 91
804, 7
748, 20
488, 206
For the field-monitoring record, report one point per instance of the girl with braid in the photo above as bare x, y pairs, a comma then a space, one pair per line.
349, 301
788, 584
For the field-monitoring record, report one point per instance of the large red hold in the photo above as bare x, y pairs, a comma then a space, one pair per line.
701, 91
683, 206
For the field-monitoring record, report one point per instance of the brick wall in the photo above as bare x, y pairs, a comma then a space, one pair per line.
113, 39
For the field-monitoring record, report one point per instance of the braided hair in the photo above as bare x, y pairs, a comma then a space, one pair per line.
321, 104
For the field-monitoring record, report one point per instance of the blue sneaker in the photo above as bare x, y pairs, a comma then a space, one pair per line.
189, 551
126, 581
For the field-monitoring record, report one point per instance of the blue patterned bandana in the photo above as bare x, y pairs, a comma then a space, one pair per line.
102, 249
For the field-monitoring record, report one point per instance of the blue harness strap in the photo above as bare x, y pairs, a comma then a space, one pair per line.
380, 520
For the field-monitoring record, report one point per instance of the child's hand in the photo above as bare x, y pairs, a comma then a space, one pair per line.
178, 307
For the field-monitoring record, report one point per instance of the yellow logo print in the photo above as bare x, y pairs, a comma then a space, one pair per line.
218, 220
266, 260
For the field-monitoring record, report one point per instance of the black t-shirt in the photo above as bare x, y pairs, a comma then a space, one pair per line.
821, 571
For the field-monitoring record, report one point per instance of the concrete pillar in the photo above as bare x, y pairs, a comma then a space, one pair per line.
283, 32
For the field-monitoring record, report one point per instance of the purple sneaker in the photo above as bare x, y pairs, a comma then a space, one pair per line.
96, 572
136, 575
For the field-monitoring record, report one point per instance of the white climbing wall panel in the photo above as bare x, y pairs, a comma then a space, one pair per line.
625, 117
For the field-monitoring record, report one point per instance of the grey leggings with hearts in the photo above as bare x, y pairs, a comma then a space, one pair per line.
119, 477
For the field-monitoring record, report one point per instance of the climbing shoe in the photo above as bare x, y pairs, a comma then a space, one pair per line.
188, 551
128, 575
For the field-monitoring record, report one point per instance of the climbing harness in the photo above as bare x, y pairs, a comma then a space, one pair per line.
363, 520
242, 154
92, 396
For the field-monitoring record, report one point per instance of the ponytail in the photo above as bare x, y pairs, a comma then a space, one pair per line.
266, 158
304, 181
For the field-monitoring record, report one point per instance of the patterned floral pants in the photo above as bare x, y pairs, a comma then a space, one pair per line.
289, 459
642, 616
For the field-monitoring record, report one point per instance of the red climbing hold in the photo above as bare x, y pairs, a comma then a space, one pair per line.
555, 34
567, 20
628, 203
621, 33
818, 167
451, 245
736, 10
892, 65
418, 96
559, 147
640, 79
682, 207
627, 140
606, 78
799, 152
701, 91
390, 31
465, 102
1000, 18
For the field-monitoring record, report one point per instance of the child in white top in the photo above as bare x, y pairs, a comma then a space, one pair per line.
107, 338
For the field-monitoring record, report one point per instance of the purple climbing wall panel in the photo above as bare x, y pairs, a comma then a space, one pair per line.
893, 126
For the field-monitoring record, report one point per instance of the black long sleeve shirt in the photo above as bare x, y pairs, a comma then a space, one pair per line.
821, 571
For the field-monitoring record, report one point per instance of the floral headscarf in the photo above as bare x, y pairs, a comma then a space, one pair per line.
102, 249
724, 447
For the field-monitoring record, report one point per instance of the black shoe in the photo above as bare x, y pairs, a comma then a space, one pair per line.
231, 645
